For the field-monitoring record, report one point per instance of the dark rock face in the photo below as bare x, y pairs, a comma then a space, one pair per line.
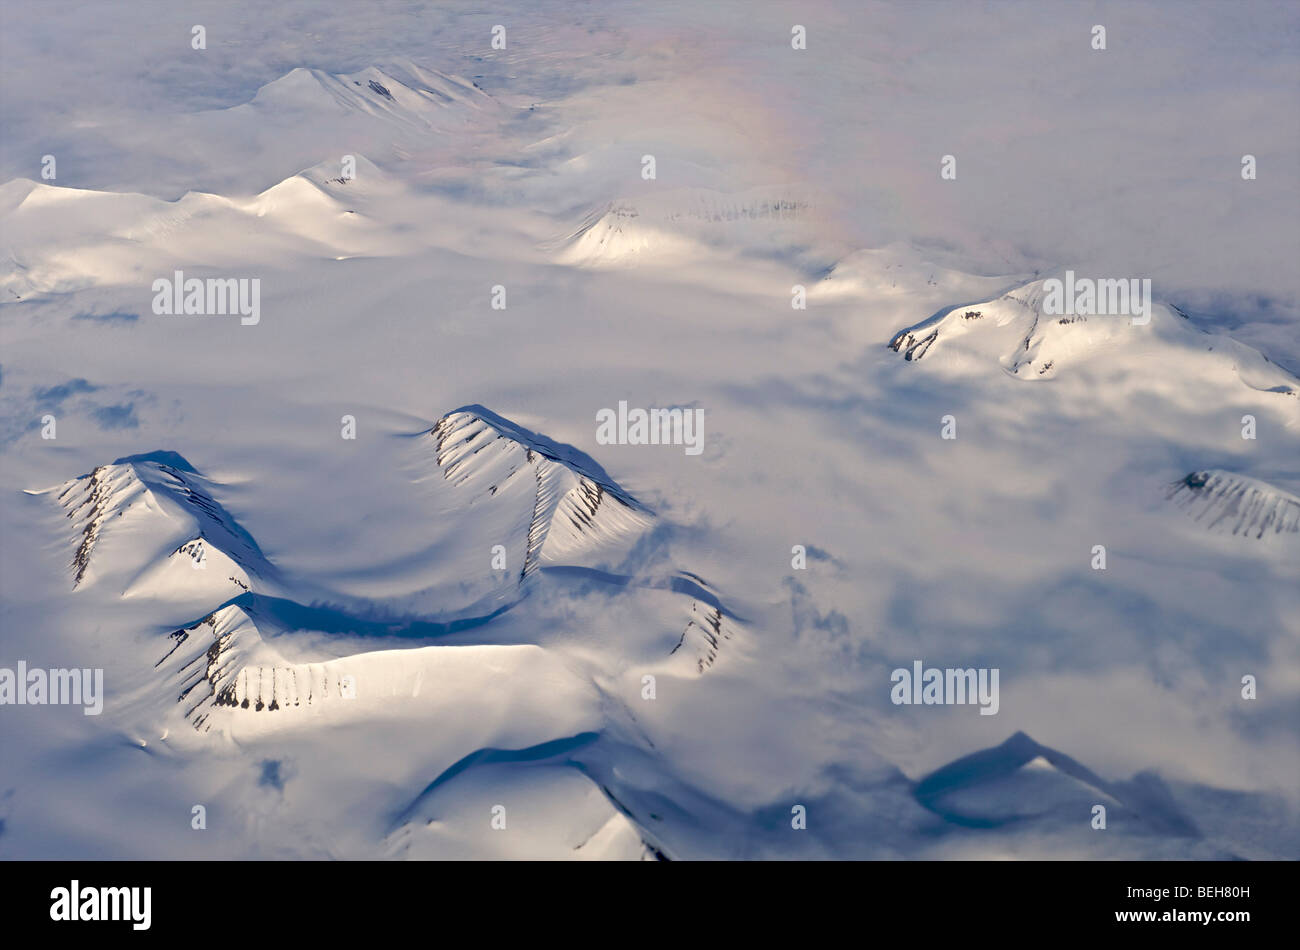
1228, 503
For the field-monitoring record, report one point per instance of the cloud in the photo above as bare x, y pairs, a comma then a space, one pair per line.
116, 417
55, 396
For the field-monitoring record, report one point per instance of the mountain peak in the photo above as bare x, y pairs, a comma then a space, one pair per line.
574, 503
128, 513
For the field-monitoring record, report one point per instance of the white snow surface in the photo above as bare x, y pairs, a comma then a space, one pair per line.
363, 647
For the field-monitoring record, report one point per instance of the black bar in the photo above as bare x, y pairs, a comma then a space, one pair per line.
925, 898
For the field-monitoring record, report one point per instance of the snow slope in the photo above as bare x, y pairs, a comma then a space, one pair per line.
362, 574
1031, 344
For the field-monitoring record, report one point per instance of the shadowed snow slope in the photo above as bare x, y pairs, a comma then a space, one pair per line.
1021, 780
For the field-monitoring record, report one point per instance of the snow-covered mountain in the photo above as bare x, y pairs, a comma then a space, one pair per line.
148, 527
682, 226
149, 524
387, 591
571, 503
1021, 780
1030, 342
